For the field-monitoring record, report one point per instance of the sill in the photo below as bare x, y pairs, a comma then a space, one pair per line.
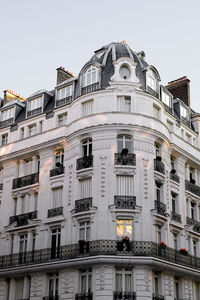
54, 219
87, 172
26, 187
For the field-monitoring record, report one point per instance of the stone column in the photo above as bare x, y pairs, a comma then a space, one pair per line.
12, 289
187, 172
21, 168
188, 209
34, 164
26, 288
196, 176
29, 242
19, 205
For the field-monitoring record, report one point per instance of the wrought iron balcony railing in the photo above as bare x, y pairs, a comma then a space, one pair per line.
57, 171
25, 180
160, 207
34, 112
196, 224
23, 218
84, 162
1, 186
90, 88
64, 101
159, 166
84, 296
83, 204
24, 299
99, 247
193, 188
53, 212
174, 177
51, 298
124, 296
157, 297
6, 122
176, 217
125, 160
125, 202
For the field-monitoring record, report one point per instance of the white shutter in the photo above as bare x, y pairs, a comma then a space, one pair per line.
86, 188
87, 108
57, 197
120, 103
125, 185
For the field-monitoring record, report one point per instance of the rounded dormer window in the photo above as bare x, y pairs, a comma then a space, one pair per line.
90, 76
124, 72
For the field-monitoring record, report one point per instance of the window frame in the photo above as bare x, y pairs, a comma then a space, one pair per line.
64, 92
124, 138
84, 230
88, 76
123, 272
87, 144
126, 222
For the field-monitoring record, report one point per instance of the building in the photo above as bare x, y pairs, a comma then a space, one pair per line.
100, 185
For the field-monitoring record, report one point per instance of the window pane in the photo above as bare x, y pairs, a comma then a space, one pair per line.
127, 282
118, 282
83, 284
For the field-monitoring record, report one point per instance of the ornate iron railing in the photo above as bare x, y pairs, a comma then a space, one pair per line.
6, 122
196, 224
84, 296
23, 218
100, 247
51, 298
57, 171
125, 202
24, 299
159, 166
83, 204
25, 180
157, 297
125, 159
90, 88
84, 162
124, 296
55, 212
175, 216
174, 177
1, 186
64, 101
160, 207
34, 112
193, 188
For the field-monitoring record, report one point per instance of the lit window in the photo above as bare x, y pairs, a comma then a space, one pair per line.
124, 228
4, 139
62, 119
86, 281
59, 157
166, 99
151, 80
84, 231
124, 142
90, 76
87, 148
64, 92
123, 281
183, 111
32, 130
53, 286
87, 108
7, 114
124, 103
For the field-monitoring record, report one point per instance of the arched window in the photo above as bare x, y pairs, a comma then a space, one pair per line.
90, 76
124, 141
152, 80
59, 157
87, 147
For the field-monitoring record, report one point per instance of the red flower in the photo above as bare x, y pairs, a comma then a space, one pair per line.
125, 238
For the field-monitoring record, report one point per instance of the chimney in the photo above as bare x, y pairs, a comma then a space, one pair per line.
10, 95
63, 75
180, 88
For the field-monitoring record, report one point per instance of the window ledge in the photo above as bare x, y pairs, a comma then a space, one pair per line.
55, 219
87, 172
125, 170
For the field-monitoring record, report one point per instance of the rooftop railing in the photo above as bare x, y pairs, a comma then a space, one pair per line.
64, 101
34, 112
90, 88
6, 122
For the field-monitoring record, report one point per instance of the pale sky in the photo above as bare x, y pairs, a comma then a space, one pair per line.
37, 36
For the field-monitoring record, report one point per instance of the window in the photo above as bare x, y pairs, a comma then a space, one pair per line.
85, 188
4, 139
84, 231
158, 186
159, 234
59, 157
156, 112
40, 126
172, 162
156, 283
176, 289
192, 210
151, 80
22, 243
86, 281
124, 228
188, 137
166, 98
90, 76
62, 119
175, 241
35, 103
22, 133
124, 141
124, 103
57, 197
183, 112
191, 173
7, 114
124, 185
123, 280
87, 108
28, 167
194, 247
174, 203
55, 242
64, 92
87, 147
53, 286
124, 72
157, 150
32, 129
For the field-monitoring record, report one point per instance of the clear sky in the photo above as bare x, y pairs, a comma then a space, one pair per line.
37, 36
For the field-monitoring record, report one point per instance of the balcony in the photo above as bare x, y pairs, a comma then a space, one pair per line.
64, 101
84, 162
128, 159
159, 166
160, 207
193, 188
6, 122
83, 204
96, 248
124, 295
1, 186
90, 88
22, 219
51, 298
53, 212
34, 112
196, 224
176, 217
25, 181
127, 202
57, 171
174, 177
84, 296
157, 297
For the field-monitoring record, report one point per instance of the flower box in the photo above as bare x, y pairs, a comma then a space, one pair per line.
163, 245
183, 251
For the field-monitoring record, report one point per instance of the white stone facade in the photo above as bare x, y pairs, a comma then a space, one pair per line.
69, 217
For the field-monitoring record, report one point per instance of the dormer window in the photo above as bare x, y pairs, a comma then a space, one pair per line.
90, 76
64, 95
35, 106
166, 99
152, 80
7, 116
124, 72
183, 112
